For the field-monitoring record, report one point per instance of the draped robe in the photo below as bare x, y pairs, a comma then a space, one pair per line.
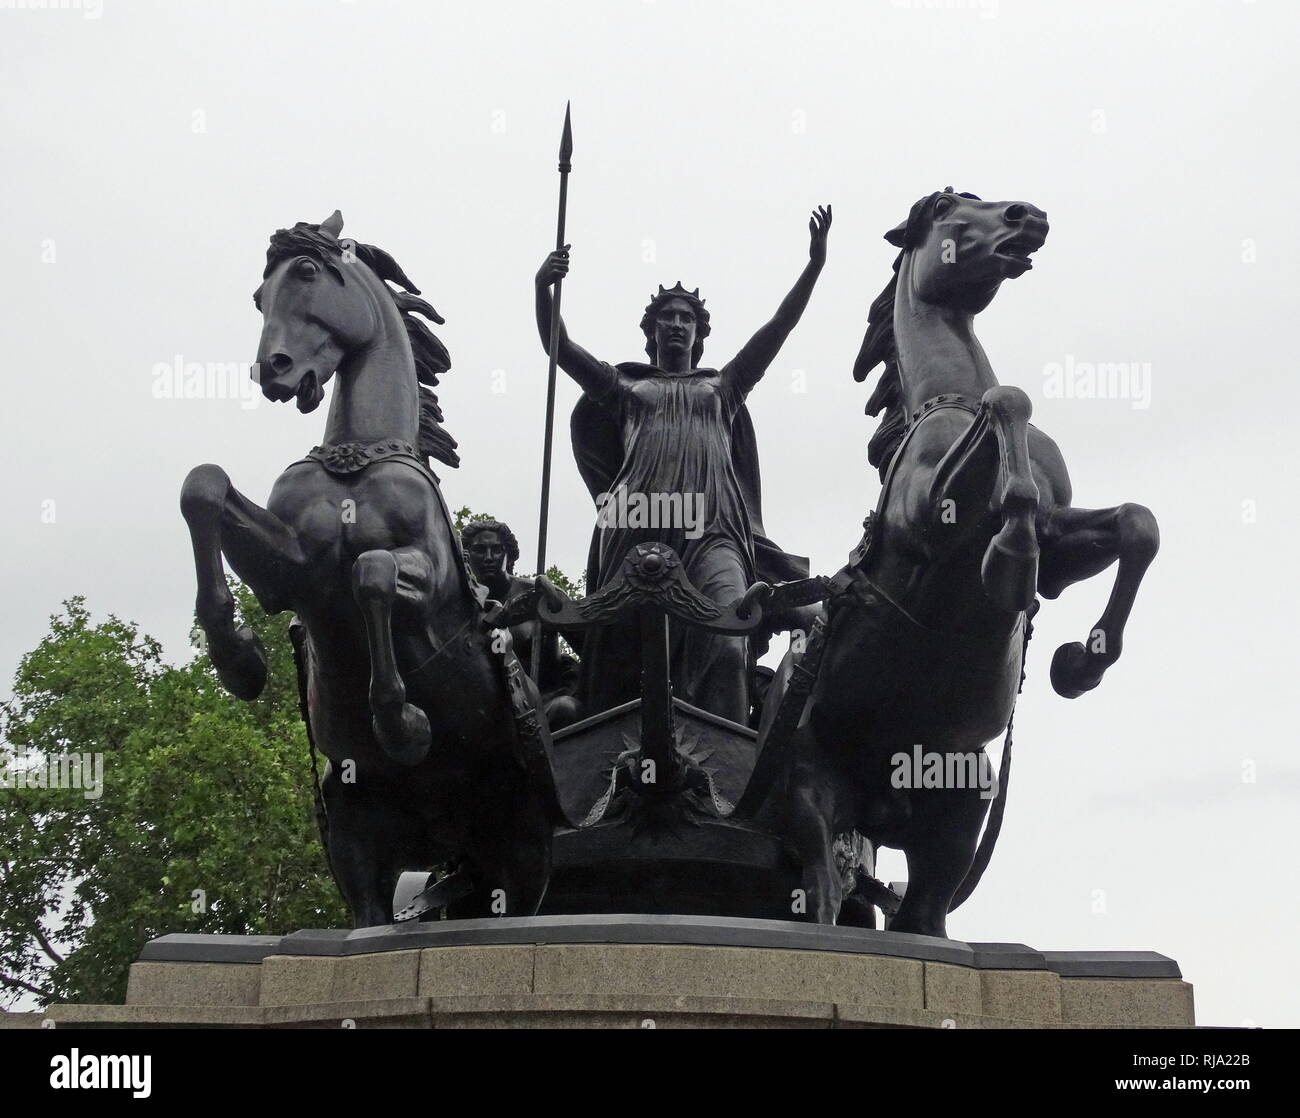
644, 430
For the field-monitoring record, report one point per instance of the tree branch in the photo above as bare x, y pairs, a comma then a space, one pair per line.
35, 924
9, 980
46, 946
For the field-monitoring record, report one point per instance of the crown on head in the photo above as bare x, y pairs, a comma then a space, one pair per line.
678, 289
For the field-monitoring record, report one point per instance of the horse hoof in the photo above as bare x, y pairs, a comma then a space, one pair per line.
1072, 674
1010, 576
917, 927
411, 739
240, 663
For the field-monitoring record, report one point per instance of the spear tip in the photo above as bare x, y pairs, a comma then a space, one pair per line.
566, 140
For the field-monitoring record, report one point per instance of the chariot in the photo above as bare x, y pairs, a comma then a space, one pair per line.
651, 790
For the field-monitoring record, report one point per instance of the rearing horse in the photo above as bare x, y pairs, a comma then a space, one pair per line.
404, 695
924, 645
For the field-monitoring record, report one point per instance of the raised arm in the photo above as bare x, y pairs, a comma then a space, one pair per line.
760, 351
594, 377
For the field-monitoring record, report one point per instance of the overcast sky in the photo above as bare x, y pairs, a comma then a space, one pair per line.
150, 149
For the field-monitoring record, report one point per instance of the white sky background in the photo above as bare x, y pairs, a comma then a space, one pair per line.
1160, 138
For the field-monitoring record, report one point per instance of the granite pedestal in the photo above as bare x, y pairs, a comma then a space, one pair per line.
632, 971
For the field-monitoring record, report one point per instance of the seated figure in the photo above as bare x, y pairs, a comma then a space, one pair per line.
491, 550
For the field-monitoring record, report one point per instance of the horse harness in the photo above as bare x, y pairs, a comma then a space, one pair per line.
528, 738
848, 580
852, 575
852, 579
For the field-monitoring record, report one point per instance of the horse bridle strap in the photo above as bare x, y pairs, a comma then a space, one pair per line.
943, 400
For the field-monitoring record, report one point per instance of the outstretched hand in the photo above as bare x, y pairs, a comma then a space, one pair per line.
819, 226
554, 267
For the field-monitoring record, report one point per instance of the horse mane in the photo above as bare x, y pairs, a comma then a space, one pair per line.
431, 356
879, 345
431, 361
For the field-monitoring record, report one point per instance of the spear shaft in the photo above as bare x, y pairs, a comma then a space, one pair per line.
566, 154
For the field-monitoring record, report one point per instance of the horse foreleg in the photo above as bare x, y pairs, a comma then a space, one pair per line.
992, 455
1080, 543
378, 579
262, 551
1010, 568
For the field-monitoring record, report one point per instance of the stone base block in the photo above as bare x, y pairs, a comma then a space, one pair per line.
630, 972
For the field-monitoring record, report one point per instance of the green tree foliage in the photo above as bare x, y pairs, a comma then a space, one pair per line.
205, 823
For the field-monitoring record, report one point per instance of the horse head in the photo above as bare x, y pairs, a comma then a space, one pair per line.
322, 299
954, 252
960, 248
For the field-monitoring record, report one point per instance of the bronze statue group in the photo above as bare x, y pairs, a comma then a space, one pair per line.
415, 640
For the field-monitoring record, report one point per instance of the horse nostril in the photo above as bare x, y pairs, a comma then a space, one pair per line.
281, 363
1015, 213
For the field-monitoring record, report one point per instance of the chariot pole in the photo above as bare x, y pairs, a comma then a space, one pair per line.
566, 154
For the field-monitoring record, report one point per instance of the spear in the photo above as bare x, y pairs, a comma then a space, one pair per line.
566, 154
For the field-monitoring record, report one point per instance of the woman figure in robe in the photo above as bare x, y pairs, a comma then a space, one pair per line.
670, 434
